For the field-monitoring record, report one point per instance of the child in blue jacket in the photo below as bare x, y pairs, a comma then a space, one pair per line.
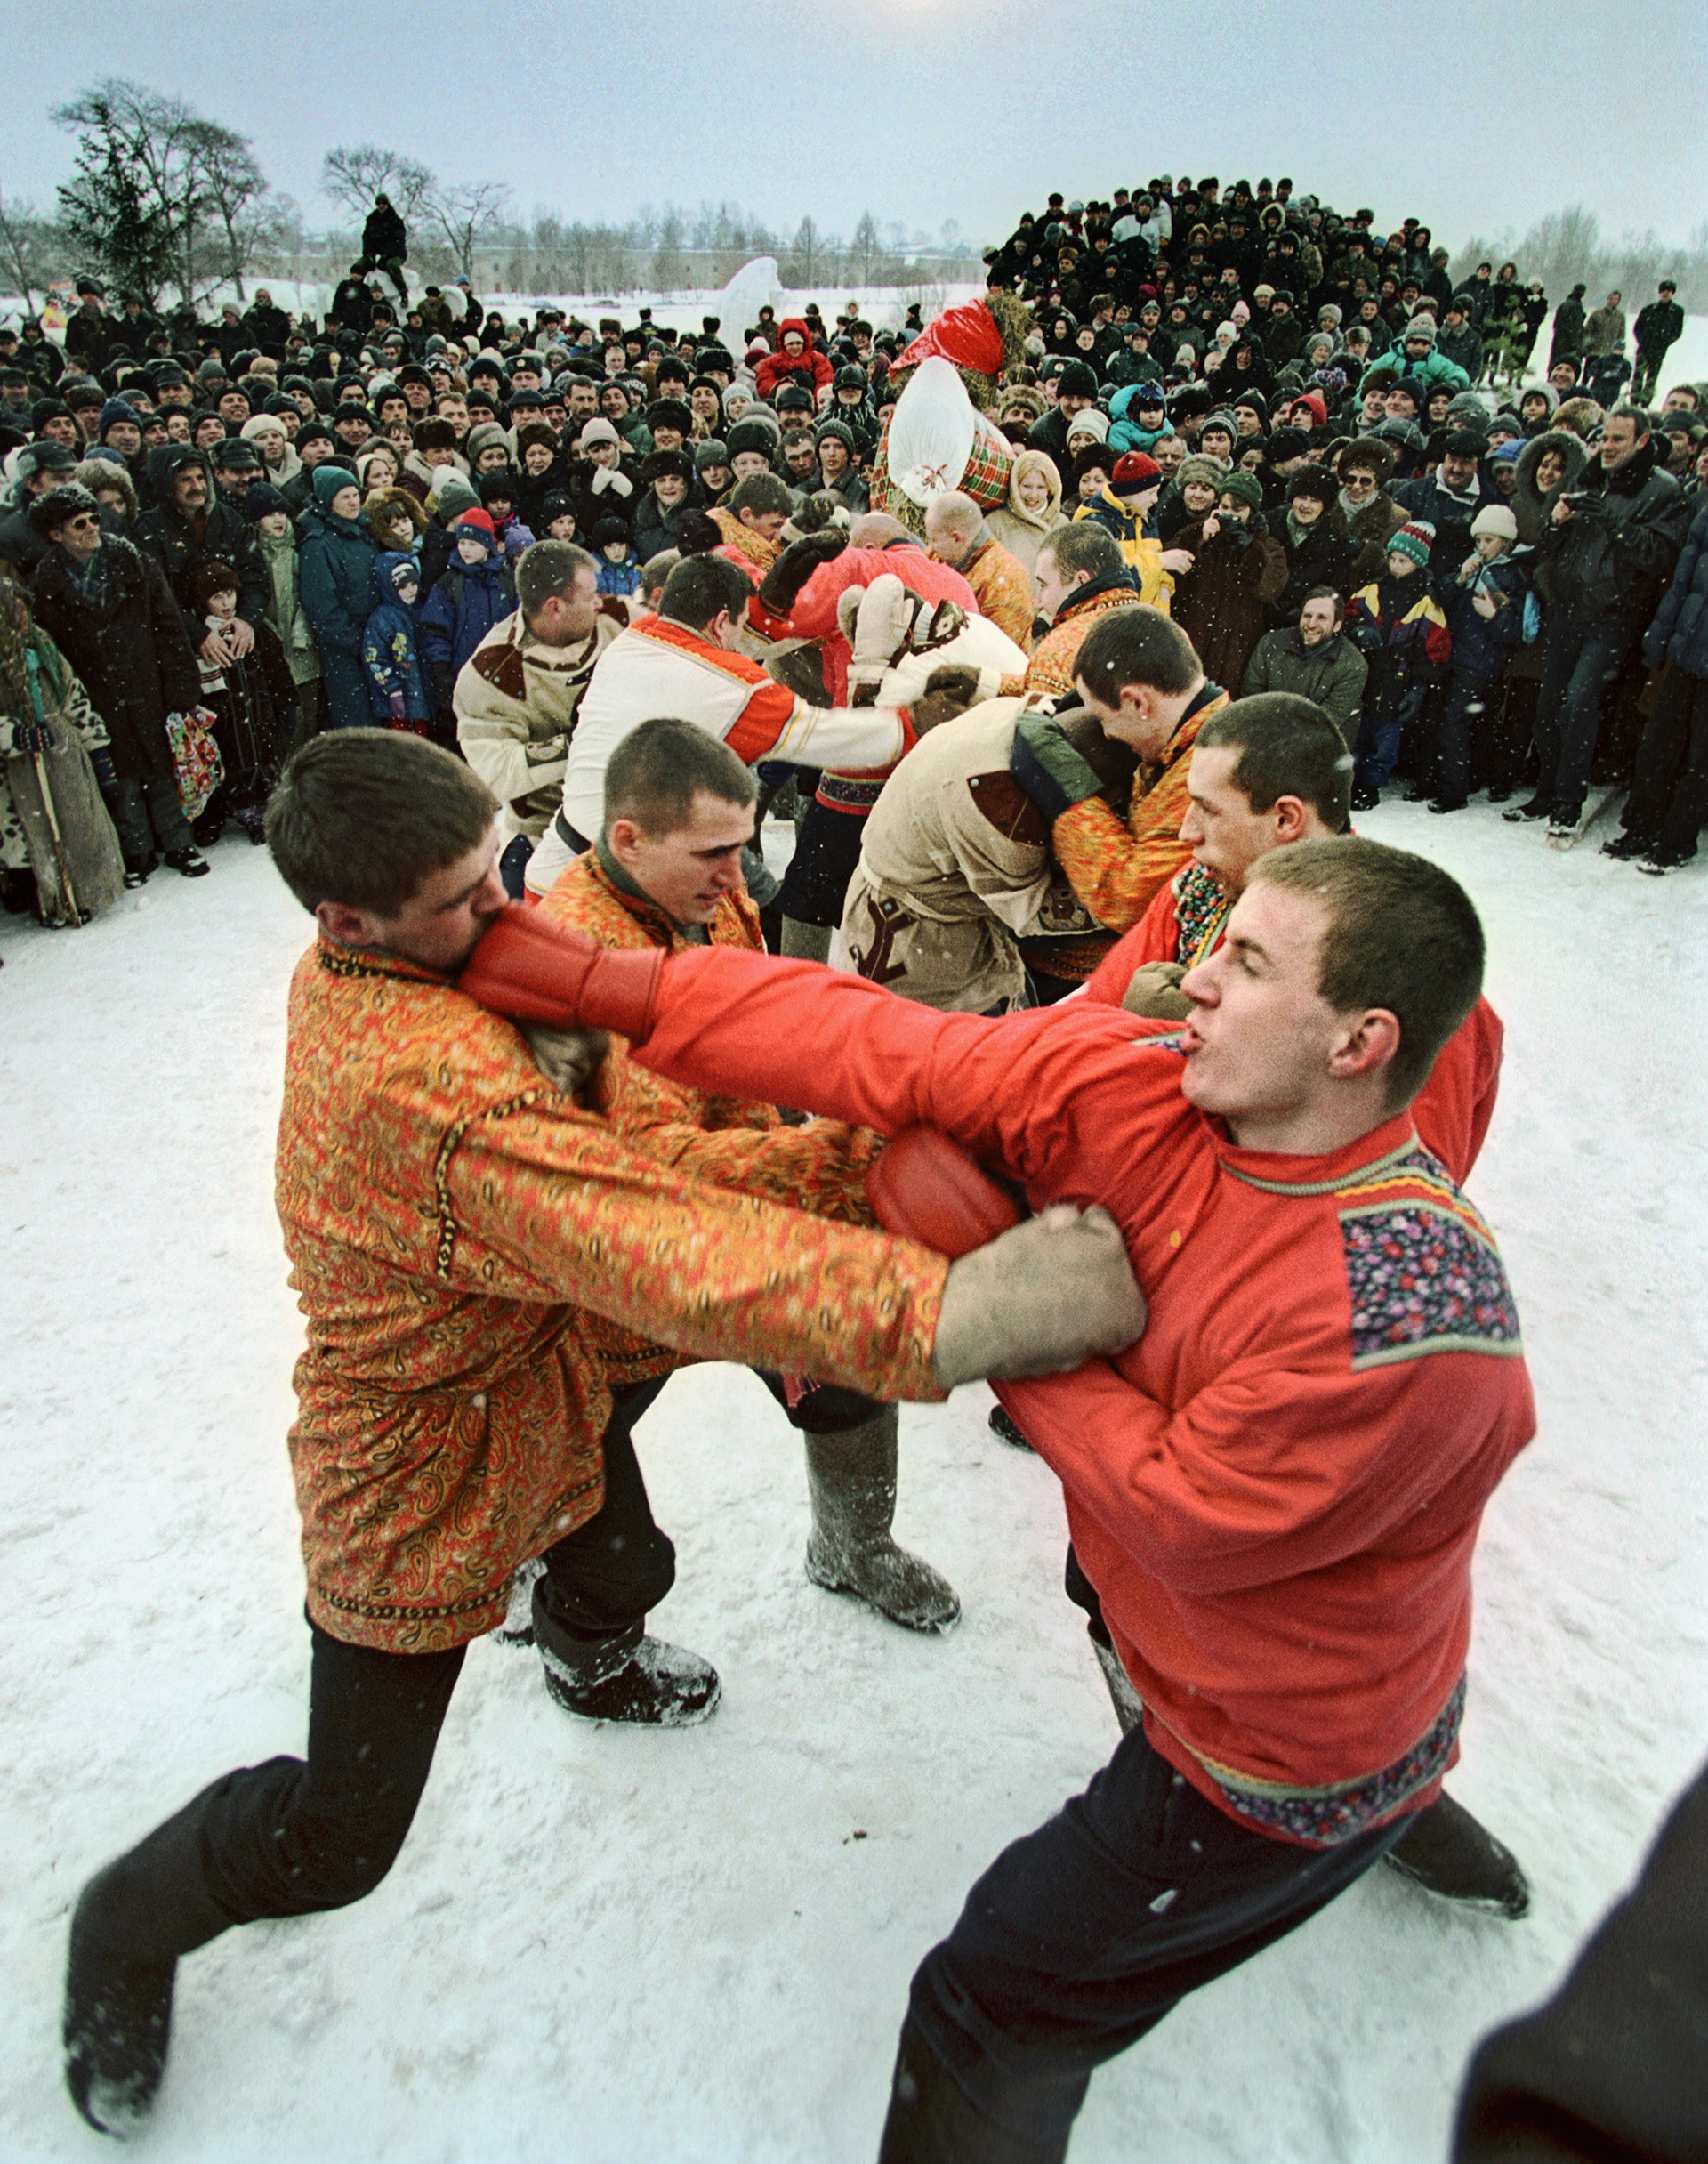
396, 683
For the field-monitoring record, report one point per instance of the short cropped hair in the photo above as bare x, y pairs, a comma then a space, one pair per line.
1402, 934
760, 493
363, 816
1287, 746
1329, 594
1136, 645
658, 769
656, 571
1086, 545
702, 588
549, 568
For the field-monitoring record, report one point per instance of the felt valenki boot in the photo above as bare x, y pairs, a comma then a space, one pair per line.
851, 1478
131, 1923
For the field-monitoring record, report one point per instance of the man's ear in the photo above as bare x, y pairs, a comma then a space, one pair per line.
1289, 815
620, 838
1366, 1044
350, 927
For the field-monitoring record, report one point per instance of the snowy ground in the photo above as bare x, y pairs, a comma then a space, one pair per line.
604, 1946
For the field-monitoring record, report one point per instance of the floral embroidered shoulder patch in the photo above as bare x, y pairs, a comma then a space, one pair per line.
1422, 1269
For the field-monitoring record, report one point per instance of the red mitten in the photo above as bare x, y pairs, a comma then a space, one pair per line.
532, 970
926, 1188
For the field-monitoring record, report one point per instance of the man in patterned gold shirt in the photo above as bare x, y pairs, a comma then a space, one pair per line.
488, 1269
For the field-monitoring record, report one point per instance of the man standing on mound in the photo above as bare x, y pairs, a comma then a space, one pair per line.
1274, 1496
488, 1269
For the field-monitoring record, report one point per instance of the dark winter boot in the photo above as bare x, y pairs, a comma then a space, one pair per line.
1446, 1850
624, 1676
932, 2120
1003, 1423
851, 1478
132, 1922
1538, 807
190, 862
18, 891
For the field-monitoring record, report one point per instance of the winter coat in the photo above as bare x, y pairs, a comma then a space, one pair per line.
384, 238
391, 650
608, 492
1401, 630
652, 525
467, 601
1679, 632
1481, 644
124, 635
1425, 498
1567, 339
226, 537
1140, 551
811, 369
1530, 507
516, 704
1124, 432
1321, 555
1463, 347
1605, 331
1331, 674
1659, 325
1223, 603
1612, 562
284, 609
335, 573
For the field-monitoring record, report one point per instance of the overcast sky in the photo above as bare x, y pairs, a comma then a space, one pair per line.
1472, 117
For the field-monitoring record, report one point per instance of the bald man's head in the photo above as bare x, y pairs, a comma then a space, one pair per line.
876, 529
953, 525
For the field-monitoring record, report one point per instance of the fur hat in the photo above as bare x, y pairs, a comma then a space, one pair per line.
486, 436
1315, 482
58, 505
670, 413
661, 463
1369, 454
750, 433
1087, 457
1414, 539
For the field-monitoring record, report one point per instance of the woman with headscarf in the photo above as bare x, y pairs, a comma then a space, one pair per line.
1033, 511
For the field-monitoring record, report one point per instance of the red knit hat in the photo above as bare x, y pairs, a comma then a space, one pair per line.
480, 520
1134, 472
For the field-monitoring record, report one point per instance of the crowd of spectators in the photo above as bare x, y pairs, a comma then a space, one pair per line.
1338, 469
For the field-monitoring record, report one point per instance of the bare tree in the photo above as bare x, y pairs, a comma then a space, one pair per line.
354, 175
234, 193
669, 264
464, 212
28, 246
805, 265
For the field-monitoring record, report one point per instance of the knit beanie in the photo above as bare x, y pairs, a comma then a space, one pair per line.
477, 522
328, 479
1420, 327
454, 495
263, 424
842, 432
1494, 519
597, 431
1244, 487
1220, 419
713, 452
260, 500
1134, 473
1091, 422
116, 409
1414, 539
1075, 380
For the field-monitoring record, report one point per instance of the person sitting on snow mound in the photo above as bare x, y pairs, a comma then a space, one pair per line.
1275, 1497
489, 1270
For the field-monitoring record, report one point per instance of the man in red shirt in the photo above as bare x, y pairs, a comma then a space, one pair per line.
1274, 1495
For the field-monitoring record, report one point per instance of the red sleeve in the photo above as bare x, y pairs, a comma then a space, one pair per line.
1456, 1105
1155, 938
761, 721
765, 375
1019, 1091
1286, 1463
814, 613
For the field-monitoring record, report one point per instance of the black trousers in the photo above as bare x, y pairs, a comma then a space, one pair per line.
1083, 1935
293, 1837
1669, 792
1578, 671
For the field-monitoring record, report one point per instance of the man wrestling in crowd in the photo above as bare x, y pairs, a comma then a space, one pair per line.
1274, 1497
488, 1270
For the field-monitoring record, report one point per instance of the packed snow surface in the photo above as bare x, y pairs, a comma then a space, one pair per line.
606, 1946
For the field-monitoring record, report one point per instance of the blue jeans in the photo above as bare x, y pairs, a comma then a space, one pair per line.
1581, 661
1376, 750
